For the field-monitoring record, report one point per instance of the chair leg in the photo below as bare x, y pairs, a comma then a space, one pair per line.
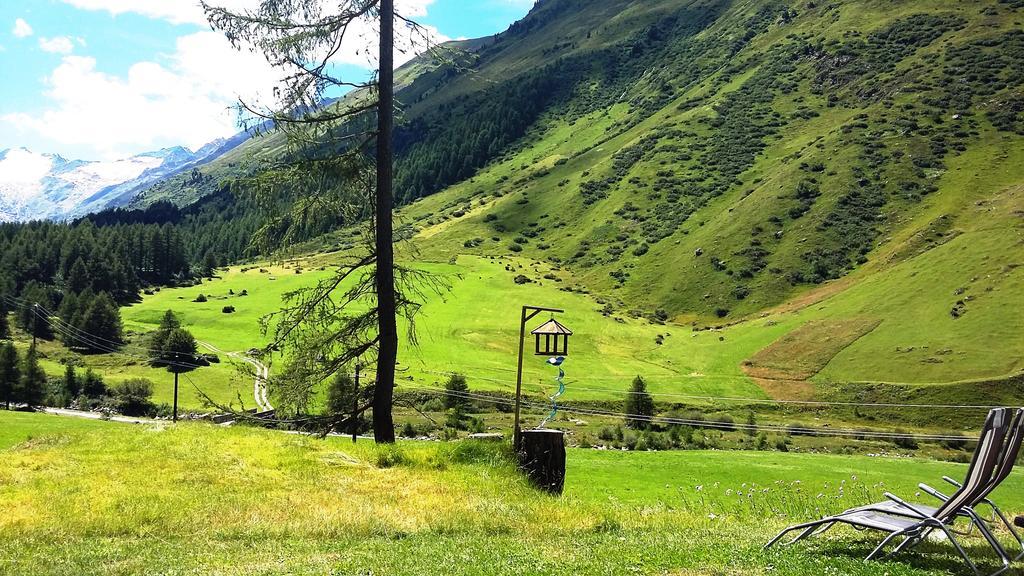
1013, 531
885, 542
908, 542
960, 550
990, 537
806, 529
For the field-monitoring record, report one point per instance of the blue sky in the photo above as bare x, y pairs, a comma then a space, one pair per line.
101, 79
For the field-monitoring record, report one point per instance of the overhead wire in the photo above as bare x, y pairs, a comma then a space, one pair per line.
65, 329
73, 332
745, 399
792, 430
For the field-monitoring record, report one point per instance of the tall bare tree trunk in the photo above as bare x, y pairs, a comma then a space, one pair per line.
383, 423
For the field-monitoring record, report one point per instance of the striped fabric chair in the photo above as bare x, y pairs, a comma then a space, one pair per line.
912, 524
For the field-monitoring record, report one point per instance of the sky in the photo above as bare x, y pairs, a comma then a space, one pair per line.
107, 79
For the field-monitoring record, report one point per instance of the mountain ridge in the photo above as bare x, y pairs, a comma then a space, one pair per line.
35, 186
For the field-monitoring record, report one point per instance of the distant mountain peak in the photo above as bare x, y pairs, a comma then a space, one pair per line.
48, 186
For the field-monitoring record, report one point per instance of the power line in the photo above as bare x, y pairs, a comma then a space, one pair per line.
81, 335
749, 400
793, 430
93, 340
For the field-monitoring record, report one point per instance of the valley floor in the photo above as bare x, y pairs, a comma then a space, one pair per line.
95, 497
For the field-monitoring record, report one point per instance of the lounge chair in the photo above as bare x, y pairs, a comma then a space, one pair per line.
1007, 459
913, 525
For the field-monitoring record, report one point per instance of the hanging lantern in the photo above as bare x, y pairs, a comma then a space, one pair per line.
552, 339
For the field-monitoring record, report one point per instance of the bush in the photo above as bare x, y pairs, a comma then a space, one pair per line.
133, 397
228, 310
200, 298
723, 422
958, 443
905, 442
389, 456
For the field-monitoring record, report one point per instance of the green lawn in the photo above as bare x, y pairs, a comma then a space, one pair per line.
94, 497
472, 329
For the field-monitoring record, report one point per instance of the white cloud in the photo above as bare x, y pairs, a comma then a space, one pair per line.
57, 45
21, 29
190, 11
185, 98
174, 11
186, 102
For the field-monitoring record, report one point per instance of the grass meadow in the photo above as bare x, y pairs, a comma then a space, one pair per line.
102, 498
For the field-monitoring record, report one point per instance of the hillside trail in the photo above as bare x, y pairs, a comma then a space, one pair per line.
259, 387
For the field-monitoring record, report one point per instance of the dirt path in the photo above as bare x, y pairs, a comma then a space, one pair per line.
259, 386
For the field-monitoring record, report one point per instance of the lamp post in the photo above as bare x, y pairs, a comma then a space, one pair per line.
527, 314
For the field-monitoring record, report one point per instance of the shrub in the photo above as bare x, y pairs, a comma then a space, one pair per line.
228, 310
133, 397
200, 298
905, 442
723, 422
389, 456
957, 442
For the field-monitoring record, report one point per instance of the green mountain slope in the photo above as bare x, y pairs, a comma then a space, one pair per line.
850, 163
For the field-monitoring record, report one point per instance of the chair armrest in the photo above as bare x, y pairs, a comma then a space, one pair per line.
909, 507
953, 482
933, 492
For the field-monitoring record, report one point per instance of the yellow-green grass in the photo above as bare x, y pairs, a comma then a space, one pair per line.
472, 329
100, 498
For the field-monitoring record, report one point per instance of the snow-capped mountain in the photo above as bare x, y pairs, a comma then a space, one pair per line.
36, 186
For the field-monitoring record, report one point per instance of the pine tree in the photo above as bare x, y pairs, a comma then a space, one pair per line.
32, 384
639, 405
31, 314
179, 356
93, 385
169, 323
78, 277
71, 386
68, 308
209, 263
341, 394
5, 327
9, 373
456, 383
101, 324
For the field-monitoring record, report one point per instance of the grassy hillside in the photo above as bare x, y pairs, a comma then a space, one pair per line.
198, 499
823, 200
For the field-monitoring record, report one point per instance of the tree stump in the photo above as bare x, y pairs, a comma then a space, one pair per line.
542, 458
1019, 521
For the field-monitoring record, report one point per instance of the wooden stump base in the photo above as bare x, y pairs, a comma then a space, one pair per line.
542, 458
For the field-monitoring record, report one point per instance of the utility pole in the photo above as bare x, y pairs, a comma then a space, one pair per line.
528, 313
174, 417
355, 406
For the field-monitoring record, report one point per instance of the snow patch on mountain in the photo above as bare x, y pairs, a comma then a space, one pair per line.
36, 186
